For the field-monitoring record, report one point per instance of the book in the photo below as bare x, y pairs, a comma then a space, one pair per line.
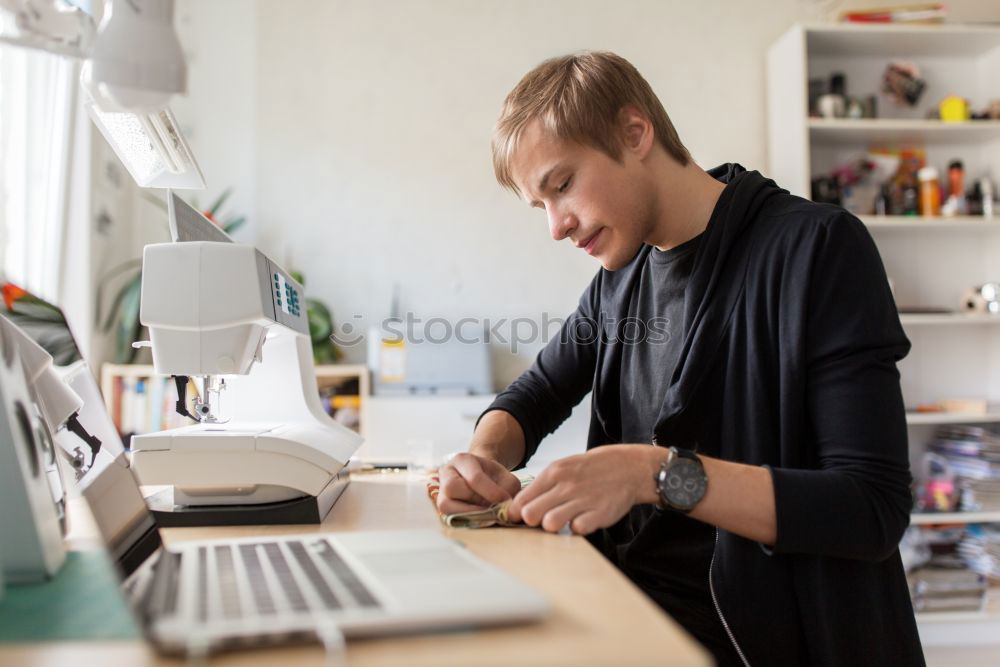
920, 13
156, 389
117, 387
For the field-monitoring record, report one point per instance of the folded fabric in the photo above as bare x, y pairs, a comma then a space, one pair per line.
495, 515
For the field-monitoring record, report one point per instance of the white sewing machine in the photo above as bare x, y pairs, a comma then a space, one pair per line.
228, 316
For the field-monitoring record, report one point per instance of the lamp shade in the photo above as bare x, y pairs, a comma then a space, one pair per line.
137, 60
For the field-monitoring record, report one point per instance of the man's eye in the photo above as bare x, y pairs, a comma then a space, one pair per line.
565, 186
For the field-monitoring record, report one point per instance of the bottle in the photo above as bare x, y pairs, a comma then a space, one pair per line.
905, 200
834, 103
956, 179
838, 84
930, 192
910, 201
974, 199
956, 187
883, 202
986, 185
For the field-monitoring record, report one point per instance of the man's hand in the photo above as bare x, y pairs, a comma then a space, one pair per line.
470, 482
589, 491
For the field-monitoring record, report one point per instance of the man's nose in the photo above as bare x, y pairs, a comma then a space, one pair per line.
561, 223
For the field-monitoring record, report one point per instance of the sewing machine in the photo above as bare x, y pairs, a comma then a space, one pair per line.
263, 450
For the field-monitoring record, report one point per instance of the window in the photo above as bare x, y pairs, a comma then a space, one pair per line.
38, 107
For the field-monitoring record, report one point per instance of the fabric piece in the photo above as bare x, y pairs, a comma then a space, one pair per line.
495, 515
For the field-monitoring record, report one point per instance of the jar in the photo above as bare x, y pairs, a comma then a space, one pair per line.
930, 192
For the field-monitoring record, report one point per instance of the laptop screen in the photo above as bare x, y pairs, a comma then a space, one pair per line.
105, 479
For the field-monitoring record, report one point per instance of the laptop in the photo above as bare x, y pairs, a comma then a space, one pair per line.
206, 596
200, 597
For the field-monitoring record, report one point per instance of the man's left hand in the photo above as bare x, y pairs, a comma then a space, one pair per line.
589, 491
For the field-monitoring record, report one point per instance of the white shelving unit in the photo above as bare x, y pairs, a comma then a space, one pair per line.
931, 261
960, 60
328, 375
936, 418
924, 519
947, 319
912, 224
912, 131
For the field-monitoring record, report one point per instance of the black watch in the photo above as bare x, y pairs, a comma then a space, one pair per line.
681, 482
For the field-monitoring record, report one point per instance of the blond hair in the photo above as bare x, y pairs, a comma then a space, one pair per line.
579, 97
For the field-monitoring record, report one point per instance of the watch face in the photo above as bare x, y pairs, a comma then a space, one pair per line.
684, 485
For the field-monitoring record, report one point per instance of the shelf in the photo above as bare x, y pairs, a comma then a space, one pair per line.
947, 319
933, 418
341, 370
322, 371
954, 58
891, 41
911, 222
128, 370
923, 519
901, 131
957, 617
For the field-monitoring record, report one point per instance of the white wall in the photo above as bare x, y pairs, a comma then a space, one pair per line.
218, 114
357, 133
373, 128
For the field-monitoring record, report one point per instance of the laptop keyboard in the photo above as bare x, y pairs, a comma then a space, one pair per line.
345, 574
286, 582
261, 579
228, 588
315, 578
255, 574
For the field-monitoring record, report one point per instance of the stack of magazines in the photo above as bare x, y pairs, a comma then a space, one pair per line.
941, 578
972, 455
947, 589
980, 549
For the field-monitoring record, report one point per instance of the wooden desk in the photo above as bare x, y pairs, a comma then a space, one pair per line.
598, 618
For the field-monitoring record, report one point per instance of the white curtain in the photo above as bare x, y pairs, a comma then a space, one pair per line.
38, 107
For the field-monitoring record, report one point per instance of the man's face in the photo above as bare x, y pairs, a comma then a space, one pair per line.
604, 207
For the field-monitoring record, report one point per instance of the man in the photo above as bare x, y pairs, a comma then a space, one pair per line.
747, 460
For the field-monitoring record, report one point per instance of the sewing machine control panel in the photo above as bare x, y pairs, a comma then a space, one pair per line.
286, 297
283, 295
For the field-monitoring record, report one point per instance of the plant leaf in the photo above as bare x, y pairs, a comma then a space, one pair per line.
134, 283
46, 324
129, 321
320, 322
107, 278
219, 201
233, 224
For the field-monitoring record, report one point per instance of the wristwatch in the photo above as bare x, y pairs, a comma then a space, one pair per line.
681, 481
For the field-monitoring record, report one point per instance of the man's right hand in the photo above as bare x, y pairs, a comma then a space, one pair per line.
470, 482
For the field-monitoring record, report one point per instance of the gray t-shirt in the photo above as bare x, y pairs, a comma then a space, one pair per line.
658, 309
681, 576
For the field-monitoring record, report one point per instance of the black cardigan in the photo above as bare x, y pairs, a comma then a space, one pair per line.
789, 361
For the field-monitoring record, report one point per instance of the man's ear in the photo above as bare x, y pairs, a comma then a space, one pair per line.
637, 132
